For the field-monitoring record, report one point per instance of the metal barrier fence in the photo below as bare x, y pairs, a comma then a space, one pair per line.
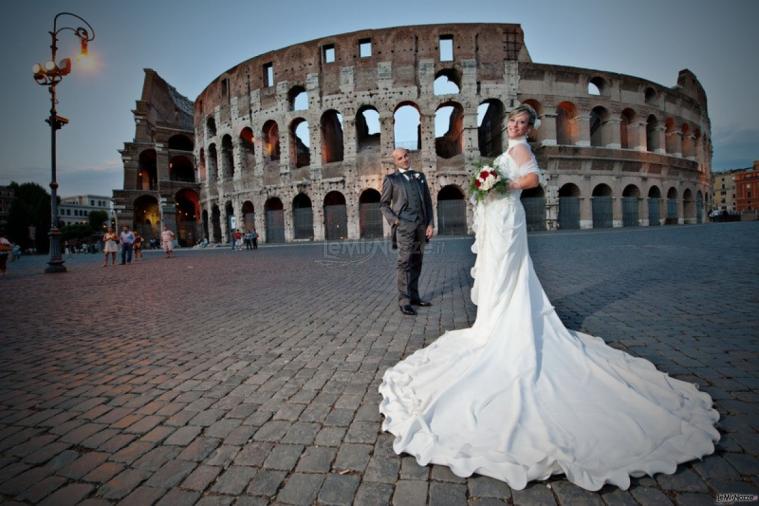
602, 212
569, 213
370, 219
535, 212
451, 217
335, 222
630, 212
303, 223
275, 226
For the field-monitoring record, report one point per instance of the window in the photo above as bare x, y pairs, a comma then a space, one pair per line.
328, 53
446, 48
92, 203
224, 87
365, 48
269, 74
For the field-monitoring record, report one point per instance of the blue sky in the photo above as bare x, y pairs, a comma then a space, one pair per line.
191, 42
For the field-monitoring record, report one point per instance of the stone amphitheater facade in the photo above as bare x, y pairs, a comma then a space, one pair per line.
617, 150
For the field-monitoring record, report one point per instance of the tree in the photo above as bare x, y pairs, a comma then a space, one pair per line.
77, 231
29, 208
97, 218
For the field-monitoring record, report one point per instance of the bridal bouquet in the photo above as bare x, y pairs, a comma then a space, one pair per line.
485, 180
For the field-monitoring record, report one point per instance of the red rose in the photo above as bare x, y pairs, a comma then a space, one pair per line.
484, 175
493, 173
477, 183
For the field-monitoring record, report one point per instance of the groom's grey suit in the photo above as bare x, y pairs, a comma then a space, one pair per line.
407, 206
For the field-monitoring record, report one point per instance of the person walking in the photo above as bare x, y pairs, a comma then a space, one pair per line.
137, 246
248, 239
110, 246
254, 238
127, 241
167, 239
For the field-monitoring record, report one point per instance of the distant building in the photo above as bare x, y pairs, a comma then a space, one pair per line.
747, 189
77, 209
723, 184
6, 198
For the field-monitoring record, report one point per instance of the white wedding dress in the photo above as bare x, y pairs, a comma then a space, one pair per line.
519, 397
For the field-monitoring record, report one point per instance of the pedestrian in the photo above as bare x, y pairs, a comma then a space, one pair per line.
127, 240
138, 240
254, 238
6, 250
237, 239
110, 246
248, 238
167, 238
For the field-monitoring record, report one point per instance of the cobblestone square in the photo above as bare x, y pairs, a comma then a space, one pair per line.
251, 377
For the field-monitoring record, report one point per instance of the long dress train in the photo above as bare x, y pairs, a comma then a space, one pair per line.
519, 397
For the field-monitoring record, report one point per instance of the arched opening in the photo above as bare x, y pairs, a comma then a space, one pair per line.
332, 136
297, 98
689, 206
303, 217
369, 214
533, 134
247, 150
211, 126
599, 118
368, 128
671, 206
699, 207
147, 217
300, 143
181, 169
227, 161
654, 205
630, 206
650, 96
449, 130
205, 225
566, 124
447, 82
451, 211
335, 216
671, 136
202, 172
688, 148
597, 86
275, 220
569, 207
534, 203
407, 127
270, 137
626, 131
216, 223
231, 221
652, 134
181, 142
187, 216
213, 163
248, 216
602, 206
490, 127
147, 173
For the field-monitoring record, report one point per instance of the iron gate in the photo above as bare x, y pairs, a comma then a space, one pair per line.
699, 210
335, 222
629, 211
275, 226
569, 213
602, 212
653, 211
535, 212
451, 217
671, 211
370, 218
303, 223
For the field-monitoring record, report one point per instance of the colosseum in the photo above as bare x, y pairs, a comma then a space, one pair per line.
296, 142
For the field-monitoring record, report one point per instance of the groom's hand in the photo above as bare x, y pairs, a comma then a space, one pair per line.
428, 232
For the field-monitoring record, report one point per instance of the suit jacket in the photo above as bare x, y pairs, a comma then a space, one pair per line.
394, 200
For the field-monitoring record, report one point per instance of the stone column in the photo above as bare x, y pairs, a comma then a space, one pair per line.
661, 134
387, 134
552, 205
352, 209
260, 219
611, 133
349, 138
287, 211
638, 130
162, 165
258, 171
643, 211
582, 121
586, 212
238, 158
471, 146
547, 132
616, 212
675, 138
427, 133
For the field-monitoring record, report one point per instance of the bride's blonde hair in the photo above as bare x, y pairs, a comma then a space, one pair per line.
524, 109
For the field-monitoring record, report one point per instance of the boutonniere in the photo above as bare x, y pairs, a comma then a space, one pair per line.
417, 175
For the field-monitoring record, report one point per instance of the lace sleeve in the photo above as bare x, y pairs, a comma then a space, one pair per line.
529, 167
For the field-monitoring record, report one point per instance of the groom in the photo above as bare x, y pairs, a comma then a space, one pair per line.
407, 206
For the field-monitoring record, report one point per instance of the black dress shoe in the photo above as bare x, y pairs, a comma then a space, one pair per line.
421, 303
407, 309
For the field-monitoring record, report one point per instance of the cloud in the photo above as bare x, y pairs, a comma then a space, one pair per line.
101, 179
734, 149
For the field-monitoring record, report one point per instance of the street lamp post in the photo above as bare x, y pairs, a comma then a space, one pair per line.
50, 74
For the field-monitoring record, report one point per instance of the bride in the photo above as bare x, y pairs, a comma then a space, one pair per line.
518, 396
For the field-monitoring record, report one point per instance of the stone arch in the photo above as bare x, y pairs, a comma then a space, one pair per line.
687, 144
534, 203
187, 203
567, 130
332, 136
227, 159
447, 82
627, 133
602, 206
650, 96
598, 86
451, 211
248, 216
206, 235
181, 142
213, 163
275, 220
699, 207
490, 117
368, 128
369, 214
229, 217
671, 136
202, 171
630, 206
300, 150
303, 217
672, 214
689, 206
147, 217
599, 118
147, 170
569, 207
297, 98
247, 149
211, 126
216, 223
335, 216
449, 129
654, 206
181, 169
652, 133
270, 139
407, 126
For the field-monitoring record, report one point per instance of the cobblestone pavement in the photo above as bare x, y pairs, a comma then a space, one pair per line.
224, 377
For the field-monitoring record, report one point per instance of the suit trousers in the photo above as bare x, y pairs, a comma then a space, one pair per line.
411, 241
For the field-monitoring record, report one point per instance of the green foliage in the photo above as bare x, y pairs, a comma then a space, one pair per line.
76, 231
30, 207
96, 219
